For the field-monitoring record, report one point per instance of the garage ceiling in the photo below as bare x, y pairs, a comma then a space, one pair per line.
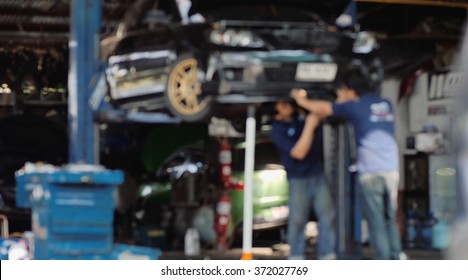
416, 19
47, 21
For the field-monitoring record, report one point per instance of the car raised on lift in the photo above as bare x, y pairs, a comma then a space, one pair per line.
189, 57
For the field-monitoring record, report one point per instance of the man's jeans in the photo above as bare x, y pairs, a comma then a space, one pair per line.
379, 193
305, 193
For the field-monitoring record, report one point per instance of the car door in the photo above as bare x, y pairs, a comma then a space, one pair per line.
270, 186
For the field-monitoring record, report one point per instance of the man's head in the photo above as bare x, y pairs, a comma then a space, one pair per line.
354, 82
344, 93
284, 110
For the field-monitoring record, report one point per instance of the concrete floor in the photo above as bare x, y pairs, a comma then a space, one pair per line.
269, 254
280, 252
266, 247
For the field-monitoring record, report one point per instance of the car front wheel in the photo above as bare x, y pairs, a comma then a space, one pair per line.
184, 96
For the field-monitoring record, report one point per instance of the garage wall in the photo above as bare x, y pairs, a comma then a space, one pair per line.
430, 102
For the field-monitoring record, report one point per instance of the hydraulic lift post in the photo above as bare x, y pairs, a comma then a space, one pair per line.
338, 158
85, 66
87, 86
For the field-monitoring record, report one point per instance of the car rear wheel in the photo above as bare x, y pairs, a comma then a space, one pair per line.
184, 96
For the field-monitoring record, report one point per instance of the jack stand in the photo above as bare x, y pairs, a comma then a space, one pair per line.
248, 190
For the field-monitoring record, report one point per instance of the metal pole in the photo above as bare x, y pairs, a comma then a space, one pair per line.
248, 184
84, 67
341, 205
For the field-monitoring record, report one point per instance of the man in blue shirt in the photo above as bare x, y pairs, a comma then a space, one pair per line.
293, 135
377, 154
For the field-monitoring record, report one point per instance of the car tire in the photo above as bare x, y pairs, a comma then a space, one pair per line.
183, 96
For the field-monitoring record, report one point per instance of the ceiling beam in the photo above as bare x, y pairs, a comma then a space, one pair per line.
450, 4
33, 37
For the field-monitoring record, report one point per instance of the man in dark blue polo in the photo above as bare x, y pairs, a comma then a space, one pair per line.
301, 155
378, 162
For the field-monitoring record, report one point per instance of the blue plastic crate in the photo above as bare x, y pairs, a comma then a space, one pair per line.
72, 211
55, 236
25, 184
68, 188
79, 256
131, 252
69, 198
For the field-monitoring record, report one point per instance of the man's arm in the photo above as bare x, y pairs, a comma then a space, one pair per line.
304, 143
320, 108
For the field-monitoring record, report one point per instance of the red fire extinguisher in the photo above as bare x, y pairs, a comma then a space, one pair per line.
225, 161
223, 210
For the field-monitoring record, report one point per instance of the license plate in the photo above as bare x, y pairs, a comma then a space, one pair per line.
316, 72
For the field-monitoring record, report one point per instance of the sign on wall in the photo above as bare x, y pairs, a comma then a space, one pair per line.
443, 86
431, 102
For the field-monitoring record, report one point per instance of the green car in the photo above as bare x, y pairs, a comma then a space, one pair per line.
185, 192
